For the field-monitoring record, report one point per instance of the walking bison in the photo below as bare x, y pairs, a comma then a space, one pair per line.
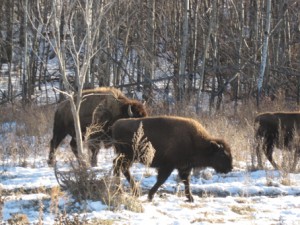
276, 129
179, 143
100, 107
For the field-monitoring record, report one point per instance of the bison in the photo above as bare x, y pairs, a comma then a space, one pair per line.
102, 106
179, 143
276, 129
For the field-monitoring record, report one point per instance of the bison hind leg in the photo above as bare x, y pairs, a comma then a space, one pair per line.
184, 175
122, 164
162, 176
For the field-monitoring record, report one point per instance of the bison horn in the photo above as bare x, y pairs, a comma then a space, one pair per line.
129, 111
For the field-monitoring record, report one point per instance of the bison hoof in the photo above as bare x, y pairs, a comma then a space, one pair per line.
190, 199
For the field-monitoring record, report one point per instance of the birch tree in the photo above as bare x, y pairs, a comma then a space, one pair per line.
264, 53
150, 49
65, 41
184, 46
211, 27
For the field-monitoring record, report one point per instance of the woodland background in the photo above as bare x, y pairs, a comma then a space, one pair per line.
218, 61
173, 52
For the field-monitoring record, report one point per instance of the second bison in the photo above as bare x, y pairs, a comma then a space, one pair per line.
276, 129
100, 107
179, 143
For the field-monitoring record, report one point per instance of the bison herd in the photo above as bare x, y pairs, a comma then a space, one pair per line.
177, 142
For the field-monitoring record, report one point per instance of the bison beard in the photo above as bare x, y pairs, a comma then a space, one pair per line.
270, 127
100, 107
179, 143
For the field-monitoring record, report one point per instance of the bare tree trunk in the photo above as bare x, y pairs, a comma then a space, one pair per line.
194, 48
211, 26
59, 48
241, 40
150, 54
216, 64
264, 52
25, 51
183, 51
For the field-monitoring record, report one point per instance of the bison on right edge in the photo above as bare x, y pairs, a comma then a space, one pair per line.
179, 143
275, 129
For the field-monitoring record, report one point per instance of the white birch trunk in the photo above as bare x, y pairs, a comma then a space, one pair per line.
211, 26
183, 52
264, 54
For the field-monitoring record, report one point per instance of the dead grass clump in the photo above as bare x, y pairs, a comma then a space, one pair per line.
143, 150
25, 132
100, 222
207, 218
2, 200
286, 179
84, 184
18, 218
243, 209
55, 194
65, 219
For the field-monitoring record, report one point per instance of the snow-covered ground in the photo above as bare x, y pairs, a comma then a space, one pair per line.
239, 197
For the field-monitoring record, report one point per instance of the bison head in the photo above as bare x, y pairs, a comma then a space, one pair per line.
221, 159
134, 109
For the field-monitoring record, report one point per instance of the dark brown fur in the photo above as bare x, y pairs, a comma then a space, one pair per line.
102, 106
270, 126
179, 143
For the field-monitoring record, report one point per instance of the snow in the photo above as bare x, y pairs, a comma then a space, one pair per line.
241, 196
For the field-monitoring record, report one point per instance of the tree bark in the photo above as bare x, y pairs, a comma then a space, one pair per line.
264, 54
183, 52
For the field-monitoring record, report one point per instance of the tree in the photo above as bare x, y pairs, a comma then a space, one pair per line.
264, 54
74, 47
184, 48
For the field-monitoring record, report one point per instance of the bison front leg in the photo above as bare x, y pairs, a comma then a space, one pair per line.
162, 176
94, 153
260, 145
184, 175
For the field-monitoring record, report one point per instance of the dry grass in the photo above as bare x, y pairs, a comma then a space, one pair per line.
25, 133
143, 150
243, 209
237, 130
84, 184
18, 218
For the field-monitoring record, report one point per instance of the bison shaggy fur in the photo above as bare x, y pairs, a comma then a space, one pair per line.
101, 107
179, 143
276, 129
